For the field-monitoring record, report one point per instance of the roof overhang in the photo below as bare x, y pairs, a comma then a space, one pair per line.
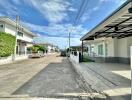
24, 41
13, 23
118, 24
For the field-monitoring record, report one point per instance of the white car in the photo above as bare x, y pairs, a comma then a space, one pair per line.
37, 55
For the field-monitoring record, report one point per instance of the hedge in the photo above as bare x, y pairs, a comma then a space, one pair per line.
7, 44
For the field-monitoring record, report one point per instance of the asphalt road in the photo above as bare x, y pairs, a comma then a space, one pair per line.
48, 77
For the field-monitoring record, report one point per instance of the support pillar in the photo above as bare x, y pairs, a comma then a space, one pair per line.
82, 50
131, 56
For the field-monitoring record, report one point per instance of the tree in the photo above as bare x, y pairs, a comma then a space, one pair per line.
37, 48
34, 49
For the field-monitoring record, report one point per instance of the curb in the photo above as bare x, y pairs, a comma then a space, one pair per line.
87, 87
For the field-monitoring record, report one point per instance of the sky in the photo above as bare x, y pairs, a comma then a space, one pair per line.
52, 20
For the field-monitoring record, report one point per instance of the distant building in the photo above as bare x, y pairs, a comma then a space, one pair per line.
24, 36
50, 47
78, 48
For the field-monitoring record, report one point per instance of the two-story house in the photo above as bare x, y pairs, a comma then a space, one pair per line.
24, 37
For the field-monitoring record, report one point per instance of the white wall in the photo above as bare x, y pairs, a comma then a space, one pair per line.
129, 42
2, 28
25, 37
110, 47
8, 60
12, 30
96, 44
75, 58
115, 47
49, 48
122, 48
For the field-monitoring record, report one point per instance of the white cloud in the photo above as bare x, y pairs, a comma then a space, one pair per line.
57, 33
114, 1
8, 8
87, 14
72, 9
95, 8
53, 10
58, 30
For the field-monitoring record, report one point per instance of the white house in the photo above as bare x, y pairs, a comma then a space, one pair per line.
50, 47
111, 39
24, 37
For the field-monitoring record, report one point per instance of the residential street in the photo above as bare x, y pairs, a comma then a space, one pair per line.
66, 50
49, 77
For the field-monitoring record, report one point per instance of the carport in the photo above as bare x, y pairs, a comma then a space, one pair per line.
118, 28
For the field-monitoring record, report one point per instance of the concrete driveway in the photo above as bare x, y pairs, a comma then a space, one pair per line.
47, 77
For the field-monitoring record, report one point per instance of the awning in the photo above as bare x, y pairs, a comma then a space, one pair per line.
118, 24
24, 41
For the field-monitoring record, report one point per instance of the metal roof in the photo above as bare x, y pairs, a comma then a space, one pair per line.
118, 24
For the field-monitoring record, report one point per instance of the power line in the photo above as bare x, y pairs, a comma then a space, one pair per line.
81, 11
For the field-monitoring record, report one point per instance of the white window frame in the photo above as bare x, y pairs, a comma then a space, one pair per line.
101, 51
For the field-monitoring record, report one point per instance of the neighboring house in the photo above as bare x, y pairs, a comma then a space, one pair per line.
24, 37
78, 48
110, 41
50, 47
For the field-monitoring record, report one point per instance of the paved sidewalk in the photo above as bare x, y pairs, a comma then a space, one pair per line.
111, 79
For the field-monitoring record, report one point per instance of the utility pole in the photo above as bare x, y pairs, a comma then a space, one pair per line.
70, 31
69, 41
17, 25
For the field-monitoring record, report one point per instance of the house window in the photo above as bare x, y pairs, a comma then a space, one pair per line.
100, 49
92, 48
1, 26
87, 49
20, 34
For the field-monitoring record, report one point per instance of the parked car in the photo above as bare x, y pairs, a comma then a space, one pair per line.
63, 53
39, 54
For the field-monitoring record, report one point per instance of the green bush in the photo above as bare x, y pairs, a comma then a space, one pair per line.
34, 49
37, 48
7, 44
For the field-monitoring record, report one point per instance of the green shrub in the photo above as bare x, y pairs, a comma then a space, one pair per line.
34, 49
7, 44
37, 48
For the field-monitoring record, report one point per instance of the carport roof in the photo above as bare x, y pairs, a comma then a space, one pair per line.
118, 24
